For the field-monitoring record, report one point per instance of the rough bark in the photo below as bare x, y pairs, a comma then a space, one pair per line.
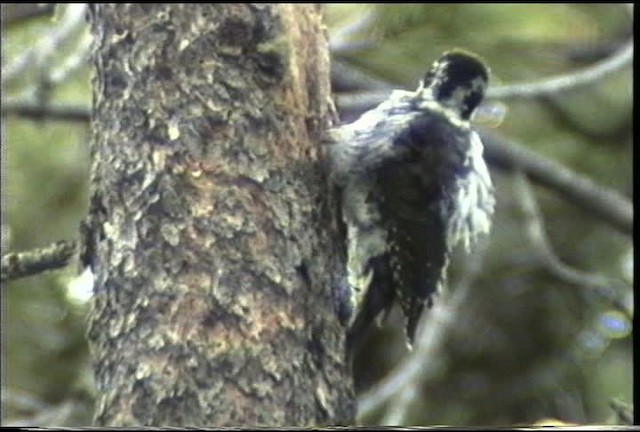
211, 251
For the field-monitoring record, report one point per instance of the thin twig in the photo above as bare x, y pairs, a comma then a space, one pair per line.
357, 102
346, 78
398, 409
562, 117
58, 415
73, 62
415, 370
20, 264
551, 86
606, 204
34, 111
14, 13
39, 56
342, 38
365, 100
623, 410
549, 374
593, 52
610, 289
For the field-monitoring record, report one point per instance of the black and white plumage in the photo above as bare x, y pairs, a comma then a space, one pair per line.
412, 184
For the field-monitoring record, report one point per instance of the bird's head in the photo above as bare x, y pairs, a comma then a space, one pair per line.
457, 81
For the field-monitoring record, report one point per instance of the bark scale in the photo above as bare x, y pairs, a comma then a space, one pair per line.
212, 254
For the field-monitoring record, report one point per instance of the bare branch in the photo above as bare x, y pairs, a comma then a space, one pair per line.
40, 55
414, 370
14, 13
545, 374
342, 38
398, 409
73, 62
563, 118
365, 100
551, 86
345, 78
623, 410
38, 112
355, 103
17, 265
595, 51
606, 204
612, 290
58, 415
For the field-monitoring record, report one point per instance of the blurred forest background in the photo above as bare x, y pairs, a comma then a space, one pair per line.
536, 325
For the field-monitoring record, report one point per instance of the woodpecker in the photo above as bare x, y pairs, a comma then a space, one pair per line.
411, 183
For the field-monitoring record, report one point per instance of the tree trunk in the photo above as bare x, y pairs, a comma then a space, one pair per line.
212, 255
